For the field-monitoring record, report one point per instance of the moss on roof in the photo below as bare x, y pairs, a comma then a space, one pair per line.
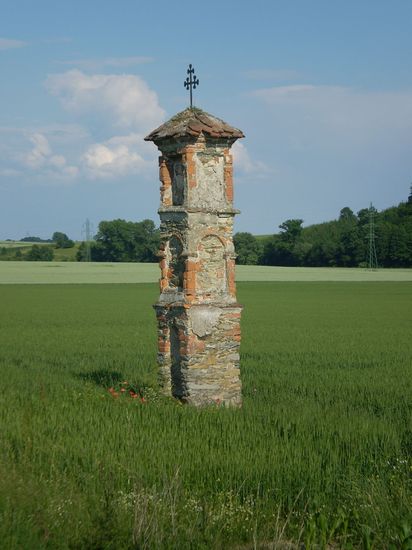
193, 122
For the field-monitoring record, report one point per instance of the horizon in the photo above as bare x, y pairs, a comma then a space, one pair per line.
157, 223
322, 92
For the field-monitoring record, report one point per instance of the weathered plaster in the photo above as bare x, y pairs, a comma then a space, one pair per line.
197, 311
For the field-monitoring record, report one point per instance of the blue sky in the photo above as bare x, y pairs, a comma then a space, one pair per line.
322, 90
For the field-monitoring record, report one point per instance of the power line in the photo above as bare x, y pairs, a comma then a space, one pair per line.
372, 257
87, 231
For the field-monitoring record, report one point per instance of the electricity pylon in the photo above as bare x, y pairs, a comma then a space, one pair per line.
372, 258
87, 232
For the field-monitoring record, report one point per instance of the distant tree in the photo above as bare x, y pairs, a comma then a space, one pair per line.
291, 230
410, 194
351, 249
347, 215
40, 253
34, 240
400, 247
61, 240
81, 254
364, 216
278, 252
123, 241
286, 248
247, 248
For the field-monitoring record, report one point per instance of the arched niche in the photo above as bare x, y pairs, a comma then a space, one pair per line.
175, 263
211, 278
178, 183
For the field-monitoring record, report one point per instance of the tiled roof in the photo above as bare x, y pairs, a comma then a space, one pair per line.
193, 122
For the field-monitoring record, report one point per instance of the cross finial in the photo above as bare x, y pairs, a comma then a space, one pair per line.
191, 82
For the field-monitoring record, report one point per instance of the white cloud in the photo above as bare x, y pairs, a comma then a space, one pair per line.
40, 152
241, 157
126, 99
96, 64
63, 133
243, 162
118, 156
9, 43
41, 157
113, 158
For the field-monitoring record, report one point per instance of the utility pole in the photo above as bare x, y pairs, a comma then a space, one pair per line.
87, 231
372, 258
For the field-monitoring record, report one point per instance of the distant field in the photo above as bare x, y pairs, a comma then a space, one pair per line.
17, 244
60, 254
78, 272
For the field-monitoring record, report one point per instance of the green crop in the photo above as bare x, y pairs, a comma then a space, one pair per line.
66, 272
91, 456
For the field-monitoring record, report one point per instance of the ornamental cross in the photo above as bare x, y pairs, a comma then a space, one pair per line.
190, 82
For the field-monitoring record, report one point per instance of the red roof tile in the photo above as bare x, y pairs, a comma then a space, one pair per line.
193, 122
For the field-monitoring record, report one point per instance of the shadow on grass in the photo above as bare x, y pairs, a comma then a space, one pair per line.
106, 378
103, 377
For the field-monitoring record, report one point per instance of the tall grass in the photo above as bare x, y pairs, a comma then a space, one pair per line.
320, 453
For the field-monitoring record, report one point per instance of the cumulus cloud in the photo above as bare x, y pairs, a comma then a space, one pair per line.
42, 157
9, 43
126, 99
118, 156
40, 152
63, 153
244, 163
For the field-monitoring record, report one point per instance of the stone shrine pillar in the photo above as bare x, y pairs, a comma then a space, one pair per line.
197, 312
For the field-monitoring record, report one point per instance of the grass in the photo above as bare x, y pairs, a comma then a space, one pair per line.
320, 453
80, 272
16, 244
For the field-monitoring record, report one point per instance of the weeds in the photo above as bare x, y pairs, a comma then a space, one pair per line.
91, 456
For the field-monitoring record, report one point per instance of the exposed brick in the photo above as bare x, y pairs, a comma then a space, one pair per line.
198, 315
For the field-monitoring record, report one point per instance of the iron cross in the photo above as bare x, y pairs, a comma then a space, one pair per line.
190, 82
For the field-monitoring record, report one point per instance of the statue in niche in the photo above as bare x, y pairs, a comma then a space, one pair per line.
176, 264
178, 184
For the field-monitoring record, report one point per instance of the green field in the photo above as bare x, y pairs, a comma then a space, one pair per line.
79, 272
320, 453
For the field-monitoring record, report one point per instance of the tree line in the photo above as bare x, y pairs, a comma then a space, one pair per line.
342, 243
42, 249
123, 241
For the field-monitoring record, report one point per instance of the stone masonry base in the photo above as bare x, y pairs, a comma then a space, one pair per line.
198, 352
